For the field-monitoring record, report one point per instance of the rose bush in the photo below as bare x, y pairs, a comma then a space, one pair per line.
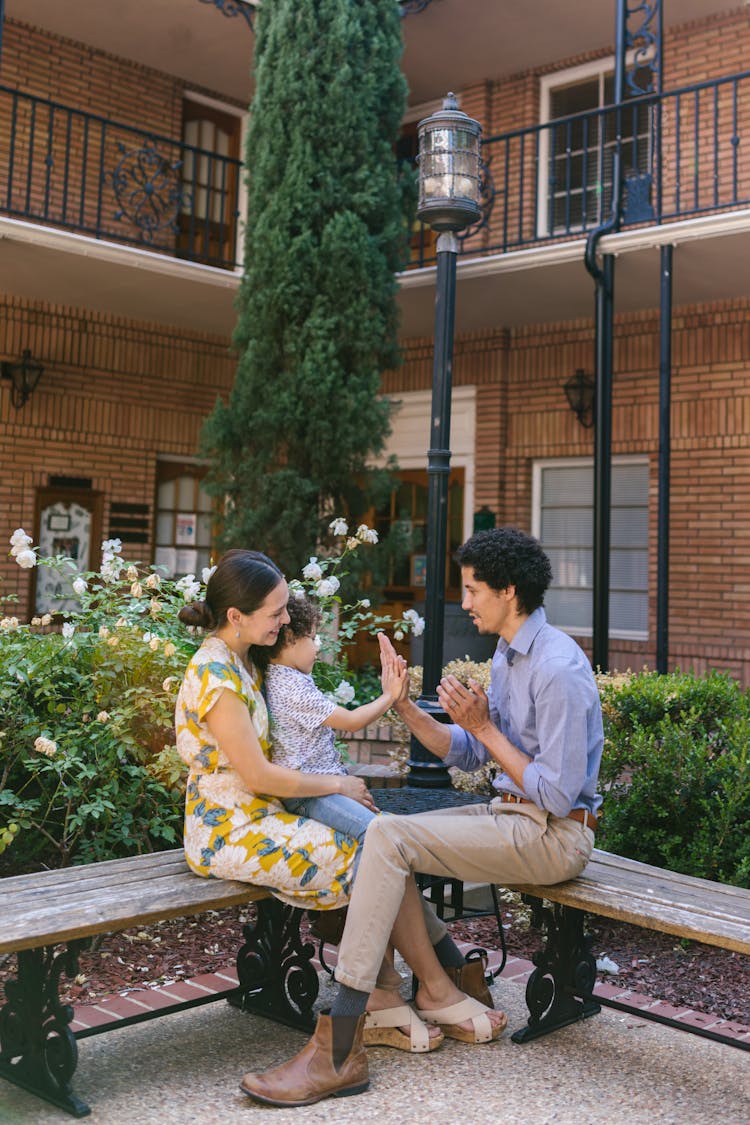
88, 765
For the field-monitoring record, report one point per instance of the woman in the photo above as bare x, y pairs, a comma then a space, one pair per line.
232, 829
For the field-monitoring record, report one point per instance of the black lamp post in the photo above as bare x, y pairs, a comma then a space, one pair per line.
448, 202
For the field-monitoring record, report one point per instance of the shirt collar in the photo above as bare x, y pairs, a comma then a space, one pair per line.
526, 635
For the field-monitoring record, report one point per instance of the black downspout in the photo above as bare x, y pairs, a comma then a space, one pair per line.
603, 347
662, 536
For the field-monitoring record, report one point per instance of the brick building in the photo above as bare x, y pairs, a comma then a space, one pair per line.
120, 192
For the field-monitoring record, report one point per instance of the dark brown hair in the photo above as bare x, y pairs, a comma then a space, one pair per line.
243, 580
304, 618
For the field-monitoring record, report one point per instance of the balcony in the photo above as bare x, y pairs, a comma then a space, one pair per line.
685, 165
85, 200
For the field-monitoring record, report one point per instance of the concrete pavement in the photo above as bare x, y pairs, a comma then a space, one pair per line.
613, 1069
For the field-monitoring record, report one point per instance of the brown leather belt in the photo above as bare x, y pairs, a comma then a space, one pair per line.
586, 818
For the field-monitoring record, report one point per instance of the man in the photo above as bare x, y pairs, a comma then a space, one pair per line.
541, 724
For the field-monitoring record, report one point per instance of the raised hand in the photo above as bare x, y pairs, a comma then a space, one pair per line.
466, 706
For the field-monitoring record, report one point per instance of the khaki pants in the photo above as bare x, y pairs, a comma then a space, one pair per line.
495, 843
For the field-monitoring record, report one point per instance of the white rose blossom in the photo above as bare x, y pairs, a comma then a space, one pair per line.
68, 630
153, 581
9, 623
19, 538
188, 587
169, 649
398, 635
414, 622
46, 619
112, 546
26, 559
365, 603
36, 621
344, 693
327, 586
103, 717
206, 574
338, 526
136, 590
317, 641
352, 543
312, 571
132, 574
79, 586
103, 631
45, 746
367, 534
167, 684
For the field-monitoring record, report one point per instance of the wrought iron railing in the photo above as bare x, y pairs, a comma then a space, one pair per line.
681, 156
681, 153
66, 168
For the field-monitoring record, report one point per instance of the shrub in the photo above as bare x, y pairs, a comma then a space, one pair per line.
677, 774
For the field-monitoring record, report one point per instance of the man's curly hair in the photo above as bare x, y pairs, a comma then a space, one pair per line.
304, 619
505, 556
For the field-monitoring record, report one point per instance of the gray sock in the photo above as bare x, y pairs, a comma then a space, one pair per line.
448, 953
349, 1002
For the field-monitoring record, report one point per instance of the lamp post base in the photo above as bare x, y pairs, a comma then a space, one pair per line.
426, 771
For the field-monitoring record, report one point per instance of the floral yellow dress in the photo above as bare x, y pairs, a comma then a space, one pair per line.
231, 833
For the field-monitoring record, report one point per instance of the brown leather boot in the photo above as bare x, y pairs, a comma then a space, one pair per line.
311, 1074
470, 978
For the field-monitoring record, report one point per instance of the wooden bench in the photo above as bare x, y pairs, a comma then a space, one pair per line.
560, 990
50, 916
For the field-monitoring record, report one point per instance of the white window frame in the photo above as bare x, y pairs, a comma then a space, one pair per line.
600, 68
536, 496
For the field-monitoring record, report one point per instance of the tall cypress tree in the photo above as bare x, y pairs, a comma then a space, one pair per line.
326, 234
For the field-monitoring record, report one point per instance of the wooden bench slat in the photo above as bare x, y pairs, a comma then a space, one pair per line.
112, 896
647, 896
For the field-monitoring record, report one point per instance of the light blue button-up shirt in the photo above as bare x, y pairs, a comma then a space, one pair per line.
544, 699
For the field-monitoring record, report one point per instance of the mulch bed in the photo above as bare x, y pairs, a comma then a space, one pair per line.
682, 973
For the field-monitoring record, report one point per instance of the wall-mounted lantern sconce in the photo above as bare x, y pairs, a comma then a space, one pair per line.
24, 377
580, 390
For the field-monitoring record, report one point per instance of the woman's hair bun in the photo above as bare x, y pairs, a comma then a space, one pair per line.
197, 614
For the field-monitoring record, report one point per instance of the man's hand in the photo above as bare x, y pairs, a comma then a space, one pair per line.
468, 707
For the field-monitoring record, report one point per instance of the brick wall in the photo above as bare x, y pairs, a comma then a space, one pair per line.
522, 416
115, 395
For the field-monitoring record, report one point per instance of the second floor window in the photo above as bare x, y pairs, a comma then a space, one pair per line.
210, 180
576, 154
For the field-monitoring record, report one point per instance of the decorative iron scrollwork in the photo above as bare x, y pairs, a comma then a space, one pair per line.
643, 37
274, 967
233, 8
560, 989
486, 202
148, 190
412, 7
38, 1051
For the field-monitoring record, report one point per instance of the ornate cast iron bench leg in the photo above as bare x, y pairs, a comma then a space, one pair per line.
275, 970
560, 989
38, 1051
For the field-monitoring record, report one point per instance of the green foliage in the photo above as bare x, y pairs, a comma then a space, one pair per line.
88, 768
88, 765
676, 773
326, 233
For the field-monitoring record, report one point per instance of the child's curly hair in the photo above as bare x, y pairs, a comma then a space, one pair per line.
304, 619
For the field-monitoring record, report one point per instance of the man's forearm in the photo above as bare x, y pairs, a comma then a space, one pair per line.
433, 735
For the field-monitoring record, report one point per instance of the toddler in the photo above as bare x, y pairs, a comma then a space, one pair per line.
303, 719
